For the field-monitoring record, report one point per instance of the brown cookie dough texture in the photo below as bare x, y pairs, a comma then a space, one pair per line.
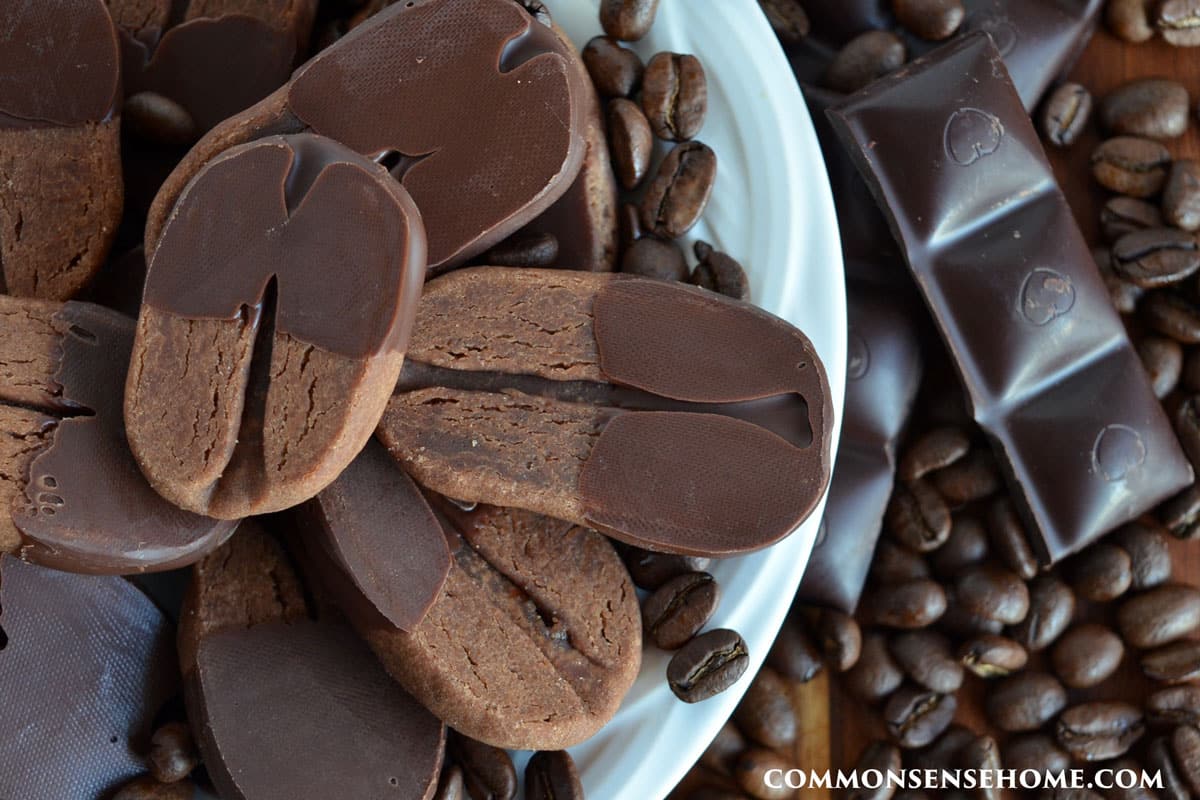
61, 191
664, 415
479, 168
272, 328
533, 641
73, 497
284, 706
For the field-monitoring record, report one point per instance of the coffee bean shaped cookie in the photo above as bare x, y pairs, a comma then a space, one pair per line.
273, 325
531, 644
72, 494
86, 663
60, 144
223, 57
664, 415
284, 706
478, 168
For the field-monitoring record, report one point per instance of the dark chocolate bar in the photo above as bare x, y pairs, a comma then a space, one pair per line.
955, 163
881, 384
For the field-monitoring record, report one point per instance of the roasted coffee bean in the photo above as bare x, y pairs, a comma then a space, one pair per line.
1159, 759
1162, 615
707, 665
876, 675
651, 570
1051, 607
1181, 514
651, 257
838, 635
933, 450
943, 752
966, 546
677, 195
915, 716
912, 604
679, 609
1131, 165
1065, 114
488, 772
675, 96
1086, 655
1009, 542
627, 20
992, 656
992, 592
787, 18
524, 249
1099, 730
1187, 428
1035, 751
1122, 215
1175, 705
1163, 360
751, 774
864, 58
172, 754
629, 225
1130, 19
719, 272
615, 71
1100, 573
917, 516
1172, 315
926, 658
1179, 22
960, 623
1148, 547
158, 119
971, 478
765, 714
882, 757
629, 141
933, 20
552, 775
1174, 663
1026, 701
1152, 107
451, 786
146, 788
1181, 197
721, 755
1070, 793
982, 755
1185, 749
1135, 792
1156, 257
894, 563
1123, 294
794, 654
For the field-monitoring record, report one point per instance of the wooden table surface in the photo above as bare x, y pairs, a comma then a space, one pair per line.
835, 726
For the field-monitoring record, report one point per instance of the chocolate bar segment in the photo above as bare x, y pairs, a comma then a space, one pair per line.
954, 161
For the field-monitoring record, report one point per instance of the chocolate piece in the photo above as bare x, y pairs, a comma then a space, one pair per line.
479, 168
881, 385
579, 395
1012, 286
86, 663
374, 523
532, 643
78, 501
61, 196
281, 326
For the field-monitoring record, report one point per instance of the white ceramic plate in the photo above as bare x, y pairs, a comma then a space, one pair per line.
773, 211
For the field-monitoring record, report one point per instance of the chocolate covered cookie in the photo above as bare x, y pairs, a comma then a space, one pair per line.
271, 331
532, 642
60, 158
480, 167
664, 415
86, 662
71, 495
284, 706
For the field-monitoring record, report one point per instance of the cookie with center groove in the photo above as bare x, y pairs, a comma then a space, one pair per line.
274, 322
